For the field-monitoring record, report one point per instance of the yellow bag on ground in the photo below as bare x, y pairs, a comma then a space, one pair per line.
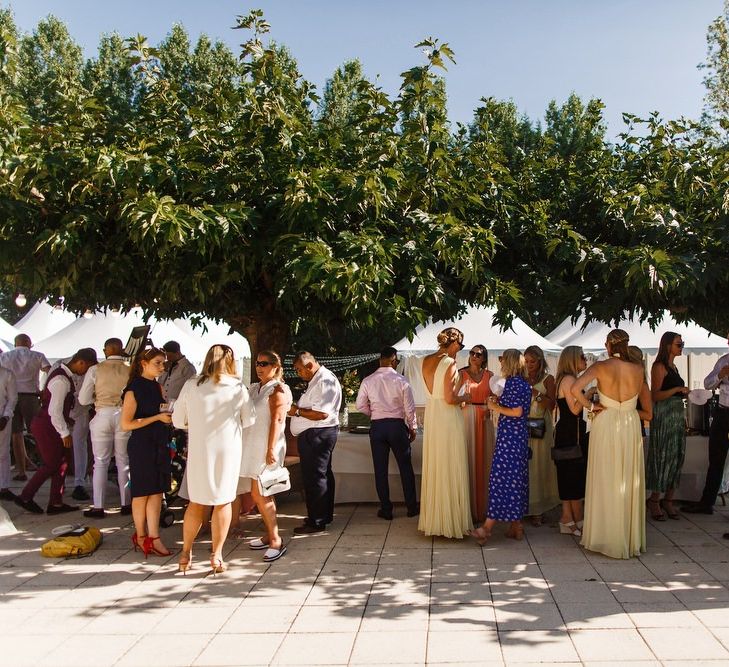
73, 545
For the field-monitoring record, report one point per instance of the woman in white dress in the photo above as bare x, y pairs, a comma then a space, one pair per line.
265, 445
615, 488
215, 408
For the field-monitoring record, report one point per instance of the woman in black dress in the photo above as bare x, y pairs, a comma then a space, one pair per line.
149, 459
570, 442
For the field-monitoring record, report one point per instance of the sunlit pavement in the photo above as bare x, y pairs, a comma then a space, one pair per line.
367, 591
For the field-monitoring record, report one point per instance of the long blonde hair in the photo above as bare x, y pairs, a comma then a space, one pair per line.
568, 363
537, 352
219, 360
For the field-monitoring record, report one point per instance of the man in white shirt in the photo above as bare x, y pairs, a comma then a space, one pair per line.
387, 398
26, 365
178, 370
718, 438
103, 385
51, 428
315, 421
8, 399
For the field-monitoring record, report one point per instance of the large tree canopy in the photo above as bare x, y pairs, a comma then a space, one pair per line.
188, 180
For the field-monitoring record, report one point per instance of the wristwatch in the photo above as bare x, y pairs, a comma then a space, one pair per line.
538, 398
297, 413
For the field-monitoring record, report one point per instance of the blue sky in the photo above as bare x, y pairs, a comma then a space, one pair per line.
635, 55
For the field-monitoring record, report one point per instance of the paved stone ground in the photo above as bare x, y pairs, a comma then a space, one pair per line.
368, 592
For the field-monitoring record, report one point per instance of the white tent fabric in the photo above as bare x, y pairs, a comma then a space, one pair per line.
478, 327
699, 355
44, 320
93, 331
7, 335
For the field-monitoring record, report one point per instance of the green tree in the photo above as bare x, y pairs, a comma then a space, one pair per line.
716, 72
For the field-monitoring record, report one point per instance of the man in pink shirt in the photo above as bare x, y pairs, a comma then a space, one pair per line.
387, 398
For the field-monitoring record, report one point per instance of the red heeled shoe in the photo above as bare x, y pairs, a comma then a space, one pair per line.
149, 548
137, 545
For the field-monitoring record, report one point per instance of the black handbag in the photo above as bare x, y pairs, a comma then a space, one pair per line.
537, 427
571, 452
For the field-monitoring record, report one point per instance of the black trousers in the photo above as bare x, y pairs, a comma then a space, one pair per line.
315, 451
718, 447
386, 435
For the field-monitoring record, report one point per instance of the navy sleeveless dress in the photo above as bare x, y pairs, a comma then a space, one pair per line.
149, 459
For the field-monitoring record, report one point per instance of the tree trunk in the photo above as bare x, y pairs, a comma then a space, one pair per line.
264, 330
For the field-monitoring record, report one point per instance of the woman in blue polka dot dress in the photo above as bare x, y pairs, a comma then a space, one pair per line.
509, 479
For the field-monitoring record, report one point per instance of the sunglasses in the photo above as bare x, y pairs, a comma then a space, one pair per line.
681, 344
461, 346
264, 364
476, 353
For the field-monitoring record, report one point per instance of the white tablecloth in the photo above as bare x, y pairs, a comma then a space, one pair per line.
355, 478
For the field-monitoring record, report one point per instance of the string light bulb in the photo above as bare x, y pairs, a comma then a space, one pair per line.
20, 301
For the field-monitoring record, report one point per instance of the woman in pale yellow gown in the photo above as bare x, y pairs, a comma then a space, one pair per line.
615, 489
445, 507
543, 491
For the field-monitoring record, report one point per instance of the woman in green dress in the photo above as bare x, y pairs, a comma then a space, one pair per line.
667, 443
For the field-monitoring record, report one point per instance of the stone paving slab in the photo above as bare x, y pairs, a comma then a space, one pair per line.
368, 592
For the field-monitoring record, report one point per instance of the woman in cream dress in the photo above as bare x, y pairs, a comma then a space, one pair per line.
265, 445
543, 491
445, 507
615, 488
214, 407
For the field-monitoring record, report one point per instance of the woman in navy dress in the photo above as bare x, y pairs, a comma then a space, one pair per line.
509, 478
149, 459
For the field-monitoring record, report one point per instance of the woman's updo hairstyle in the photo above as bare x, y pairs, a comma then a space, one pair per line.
618, 340
448, 336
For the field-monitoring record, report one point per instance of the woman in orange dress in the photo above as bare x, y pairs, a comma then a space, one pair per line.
474, 381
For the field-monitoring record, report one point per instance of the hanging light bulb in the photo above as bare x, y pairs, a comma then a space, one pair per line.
88, 314
20, 301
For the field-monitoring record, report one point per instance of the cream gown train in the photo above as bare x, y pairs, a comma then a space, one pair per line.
445, 507
615, 491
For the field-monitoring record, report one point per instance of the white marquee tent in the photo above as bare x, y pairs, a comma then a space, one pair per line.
93, 331
44, 320
478, 327
7, 335
699, 355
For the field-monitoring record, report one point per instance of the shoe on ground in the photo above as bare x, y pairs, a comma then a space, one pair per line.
414, 510
273, 554
384, 514
126, 510
309, 529
20, 478
697, 509
60, 509
7, 494
79, 493
95, 513
29, 505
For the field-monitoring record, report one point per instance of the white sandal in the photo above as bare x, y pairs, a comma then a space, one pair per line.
570, 529
273, 554
257, 544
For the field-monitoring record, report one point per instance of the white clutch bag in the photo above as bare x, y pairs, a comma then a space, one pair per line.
273, 480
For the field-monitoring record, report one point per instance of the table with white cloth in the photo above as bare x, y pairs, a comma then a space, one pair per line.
355, 475
693, 473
